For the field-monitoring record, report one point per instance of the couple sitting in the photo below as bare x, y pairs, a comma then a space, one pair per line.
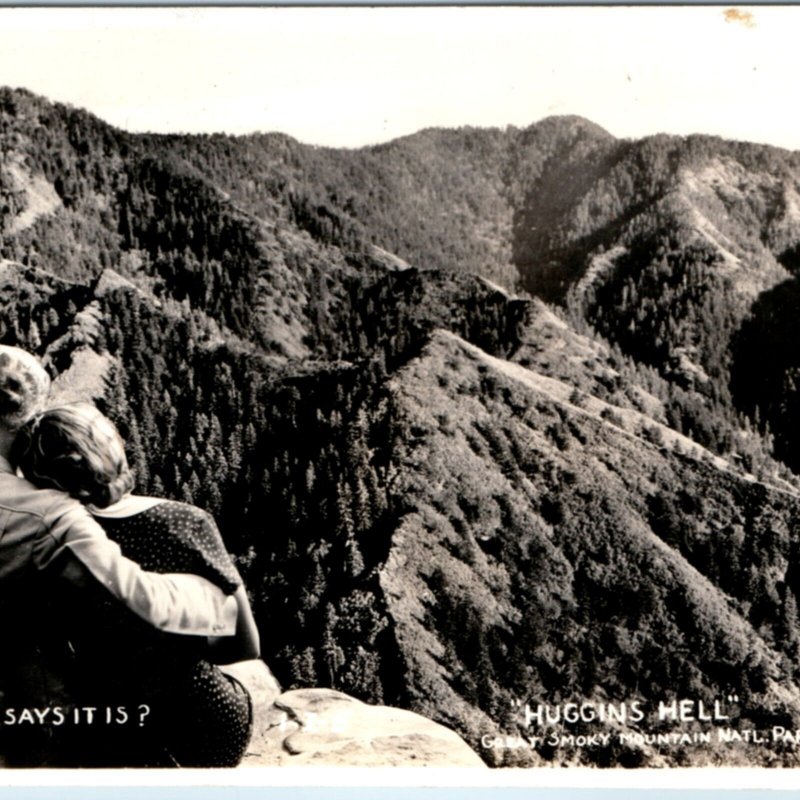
109, 599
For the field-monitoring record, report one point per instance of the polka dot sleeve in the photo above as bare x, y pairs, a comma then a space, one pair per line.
176, 537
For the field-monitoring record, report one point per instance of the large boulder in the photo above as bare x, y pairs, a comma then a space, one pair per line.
323, 727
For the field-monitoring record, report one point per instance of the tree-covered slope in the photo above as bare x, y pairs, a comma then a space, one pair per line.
663, 245
551, 546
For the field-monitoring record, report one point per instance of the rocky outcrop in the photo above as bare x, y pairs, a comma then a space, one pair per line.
323, 727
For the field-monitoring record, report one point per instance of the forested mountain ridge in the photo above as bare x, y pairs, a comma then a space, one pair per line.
564, 542
663, 245
444, 495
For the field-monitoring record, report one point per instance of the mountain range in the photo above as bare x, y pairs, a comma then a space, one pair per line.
487, 417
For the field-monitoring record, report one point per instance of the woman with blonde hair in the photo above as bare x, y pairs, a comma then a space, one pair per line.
203, 717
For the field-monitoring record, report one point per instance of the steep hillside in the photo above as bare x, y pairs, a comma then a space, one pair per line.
552, 547
159, 223
435, 199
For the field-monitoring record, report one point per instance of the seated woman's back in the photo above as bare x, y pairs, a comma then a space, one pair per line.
201, 716
195, 715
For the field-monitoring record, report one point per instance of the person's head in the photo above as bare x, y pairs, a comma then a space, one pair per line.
74, 448
24, 386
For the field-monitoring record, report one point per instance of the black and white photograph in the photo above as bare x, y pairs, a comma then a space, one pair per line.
399, 387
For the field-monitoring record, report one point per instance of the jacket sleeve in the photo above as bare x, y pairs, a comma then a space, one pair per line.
174, 603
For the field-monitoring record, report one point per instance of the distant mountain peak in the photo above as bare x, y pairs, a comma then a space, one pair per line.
572, 123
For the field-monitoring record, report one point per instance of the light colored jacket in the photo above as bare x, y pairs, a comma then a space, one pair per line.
39, 526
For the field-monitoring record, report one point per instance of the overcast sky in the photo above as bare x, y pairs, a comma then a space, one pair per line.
354, 76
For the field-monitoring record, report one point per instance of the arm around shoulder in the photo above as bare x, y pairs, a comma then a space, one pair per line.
175, 603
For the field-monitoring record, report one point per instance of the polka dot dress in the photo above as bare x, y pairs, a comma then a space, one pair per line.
221, 720
202, 716
175, 537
